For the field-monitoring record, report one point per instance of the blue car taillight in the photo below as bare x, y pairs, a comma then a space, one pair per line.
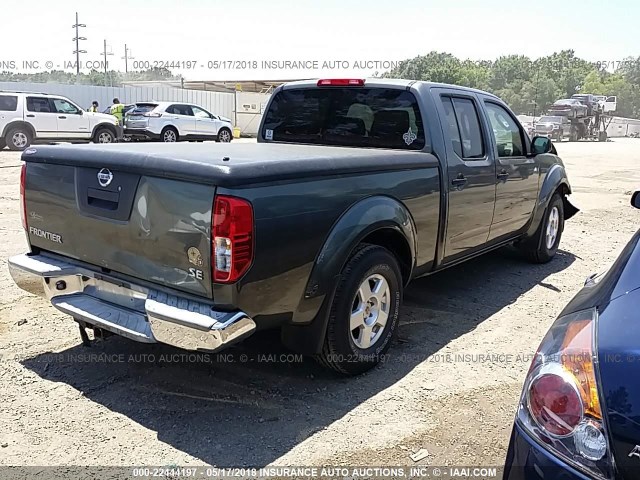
560, 405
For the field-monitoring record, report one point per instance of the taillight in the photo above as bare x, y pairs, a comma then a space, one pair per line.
555, 404
560, 404
231, 238
23, 202
341, 82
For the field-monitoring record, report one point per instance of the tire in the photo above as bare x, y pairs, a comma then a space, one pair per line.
354, 351
18, 139
543, 246
2, 143
169, 135
104, 135
225, 135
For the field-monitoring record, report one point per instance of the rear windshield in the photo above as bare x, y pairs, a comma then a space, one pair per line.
8, 103
141, 108
349, 116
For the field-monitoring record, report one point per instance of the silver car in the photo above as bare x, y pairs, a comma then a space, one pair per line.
555, 127
173, 122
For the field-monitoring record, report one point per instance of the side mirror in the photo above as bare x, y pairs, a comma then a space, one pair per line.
541, 145
635, 199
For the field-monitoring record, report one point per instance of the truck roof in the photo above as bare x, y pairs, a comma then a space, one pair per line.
389, 83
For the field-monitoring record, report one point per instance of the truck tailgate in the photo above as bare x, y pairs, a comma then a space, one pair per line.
155, 229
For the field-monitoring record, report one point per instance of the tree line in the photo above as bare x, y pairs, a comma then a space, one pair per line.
530, 86
94, 77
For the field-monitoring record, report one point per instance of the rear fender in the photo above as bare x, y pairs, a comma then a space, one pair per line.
306, 331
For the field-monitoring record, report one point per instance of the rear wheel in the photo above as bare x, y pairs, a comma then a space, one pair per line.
364, 312
2, 143
543, 246
224, 135
169, 135
18, 139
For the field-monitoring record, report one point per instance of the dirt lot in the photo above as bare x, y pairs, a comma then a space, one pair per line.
139, 404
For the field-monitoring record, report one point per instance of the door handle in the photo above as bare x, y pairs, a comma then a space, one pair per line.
62, 116
31, 116
459, 181
503, 175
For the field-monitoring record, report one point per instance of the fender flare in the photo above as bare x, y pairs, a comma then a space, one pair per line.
305, 333
18, 123
359, 221
555, 178
108, 125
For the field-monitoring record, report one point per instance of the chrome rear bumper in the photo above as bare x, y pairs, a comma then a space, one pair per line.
141, 314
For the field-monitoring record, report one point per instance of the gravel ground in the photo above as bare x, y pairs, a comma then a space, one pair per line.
122, 403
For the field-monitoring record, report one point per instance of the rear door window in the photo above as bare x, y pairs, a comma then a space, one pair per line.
464, 127
38, 104
346, 116
8, 103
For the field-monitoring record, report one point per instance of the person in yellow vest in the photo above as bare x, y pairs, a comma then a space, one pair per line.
94, 107
117, 109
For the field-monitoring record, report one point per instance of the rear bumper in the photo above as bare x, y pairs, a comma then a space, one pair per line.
127, 309
141, 133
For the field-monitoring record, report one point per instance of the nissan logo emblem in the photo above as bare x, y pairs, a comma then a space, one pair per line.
104, 177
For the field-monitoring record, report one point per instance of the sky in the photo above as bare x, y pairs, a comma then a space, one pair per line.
223, 39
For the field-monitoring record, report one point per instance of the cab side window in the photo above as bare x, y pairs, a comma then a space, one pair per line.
505, 130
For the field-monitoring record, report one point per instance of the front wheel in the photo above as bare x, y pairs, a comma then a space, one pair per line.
364, 313
224, 135
104, 135
3, 143
543, 246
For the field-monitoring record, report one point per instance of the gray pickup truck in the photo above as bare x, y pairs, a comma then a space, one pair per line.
353, 189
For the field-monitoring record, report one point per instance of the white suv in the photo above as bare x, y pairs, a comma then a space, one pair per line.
172, 122
26, 118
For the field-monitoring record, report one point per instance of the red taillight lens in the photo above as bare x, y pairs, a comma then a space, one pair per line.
231, 238
555, 404
23, 202
560, 404
341, 82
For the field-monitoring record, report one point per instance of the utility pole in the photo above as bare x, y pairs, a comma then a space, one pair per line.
77, 39
126, 58
106, 63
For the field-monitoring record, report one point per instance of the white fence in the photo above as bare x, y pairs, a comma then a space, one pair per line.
217, 103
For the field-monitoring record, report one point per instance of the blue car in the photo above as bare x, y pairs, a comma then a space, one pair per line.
578, 417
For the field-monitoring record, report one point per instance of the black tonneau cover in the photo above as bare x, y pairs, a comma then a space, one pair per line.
228, 165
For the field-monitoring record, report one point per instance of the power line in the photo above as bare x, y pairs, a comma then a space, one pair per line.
106, 63
126, 58
77, 39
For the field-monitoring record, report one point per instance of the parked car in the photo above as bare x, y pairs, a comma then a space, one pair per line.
27, 118
589, 101
353, 189
570, 107
578, 416
172, 122
554, 127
